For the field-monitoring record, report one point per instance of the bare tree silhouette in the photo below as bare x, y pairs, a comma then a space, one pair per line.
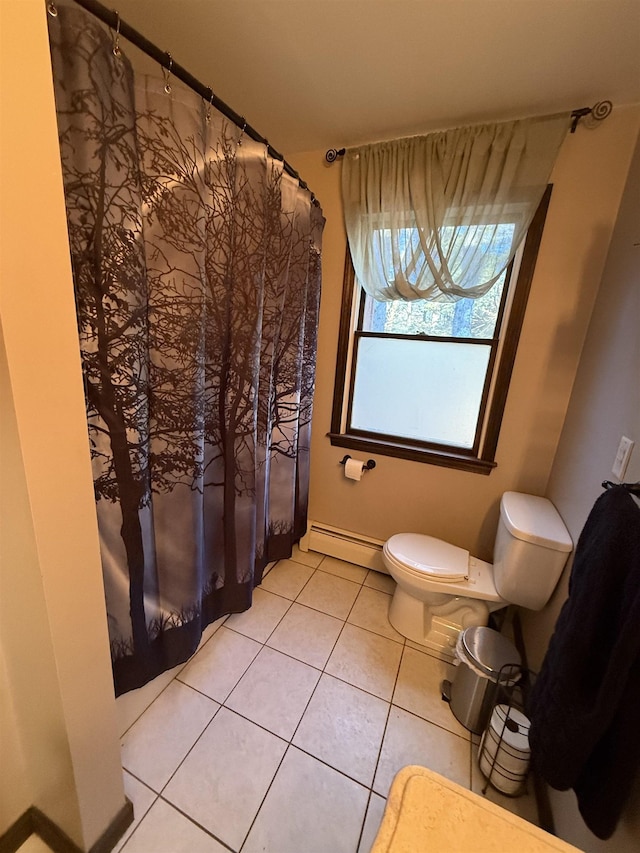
197, 303
101, 184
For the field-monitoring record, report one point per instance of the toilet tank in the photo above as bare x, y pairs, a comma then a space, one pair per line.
531, 549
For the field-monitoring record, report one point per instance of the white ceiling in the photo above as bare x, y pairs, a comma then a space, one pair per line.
313, 74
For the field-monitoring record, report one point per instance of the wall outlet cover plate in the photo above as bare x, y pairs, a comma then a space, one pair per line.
622, 457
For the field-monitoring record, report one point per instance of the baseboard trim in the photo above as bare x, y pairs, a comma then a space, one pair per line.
116, 829
344, 545
35, 822
17, 834
56, 838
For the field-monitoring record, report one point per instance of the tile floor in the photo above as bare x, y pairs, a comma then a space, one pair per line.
284, 731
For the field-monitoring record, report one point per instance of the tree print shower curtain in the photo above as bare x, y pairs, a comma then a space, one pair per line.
196, 265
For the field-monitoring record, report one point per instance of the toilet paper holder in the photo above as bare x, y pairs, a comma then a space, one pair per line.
368, 466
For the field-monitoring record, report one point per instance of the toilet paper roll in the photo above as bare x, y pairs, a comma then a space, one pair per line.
353, 469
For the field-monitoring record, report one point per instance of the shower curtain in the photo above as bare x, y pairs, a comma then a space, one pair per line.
196, 265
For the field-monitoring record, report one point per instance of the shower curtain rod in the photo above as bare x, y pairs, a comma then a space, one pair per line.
599, 111
113, 20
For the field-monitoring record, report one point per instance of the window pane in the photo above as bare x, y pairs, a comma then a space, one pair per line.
425, 390
466, 318
479, 249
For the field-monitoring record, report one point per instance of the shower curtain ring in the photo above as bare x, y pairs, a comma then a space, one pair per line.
239, 142
167, 74
207, 116
116, 37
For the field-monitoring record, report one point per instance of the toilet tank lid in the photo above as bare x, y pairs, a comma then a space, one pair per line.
534, 519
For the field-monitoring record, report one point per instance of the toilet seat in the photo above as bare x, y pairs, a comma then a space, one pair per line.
427, 557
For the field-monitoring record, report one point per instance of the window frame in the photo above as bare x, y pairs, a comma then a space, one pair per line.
481, 457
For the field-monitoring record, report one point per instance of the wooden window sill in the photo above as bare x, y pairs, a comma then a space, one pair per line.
444, 458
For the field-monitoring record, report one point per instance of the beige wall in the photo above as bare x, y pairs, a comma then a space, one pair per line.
60, 706
459, 506
605, 405
41, 764
15, 791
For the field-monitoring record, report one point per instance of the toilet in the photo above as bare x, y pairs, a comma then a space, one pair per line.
441, 589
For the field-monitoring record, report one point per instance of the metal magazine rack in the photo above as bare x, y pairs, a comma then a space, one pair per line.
503, 753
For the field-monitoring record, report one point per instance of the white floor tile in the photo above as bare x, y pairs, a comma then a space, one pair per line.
165, 830
371, 611
268, 568
418, 690
310, 808
134, 703
342, 569
287, 578
366, 660
220, 664
156, 744
131, 705
211, 629
375, 812
412, 740
262, 617
381, 581
208, 769
274, 692
307, 558
307, 635
343, 726
224, 778
330, 594
142, 799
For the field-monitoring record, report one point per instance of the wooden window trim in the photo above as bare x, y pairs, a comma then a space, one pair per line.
483, 462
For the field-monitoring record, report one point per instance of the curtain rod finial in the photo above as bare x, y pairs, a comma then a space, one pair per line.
601, 110
332, 154
598, 112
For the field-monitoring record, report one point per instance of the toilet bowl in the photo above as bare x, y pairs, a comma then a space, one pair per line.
441, 589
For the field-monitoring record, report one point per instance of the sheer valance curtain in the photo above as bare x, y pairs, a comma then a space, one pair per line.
426, 215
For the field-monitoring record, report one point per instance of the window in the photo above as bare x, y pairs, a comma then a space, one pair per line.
428, 380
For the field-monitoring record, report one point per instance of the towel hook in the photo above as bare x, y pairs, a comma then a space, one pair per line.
633, 488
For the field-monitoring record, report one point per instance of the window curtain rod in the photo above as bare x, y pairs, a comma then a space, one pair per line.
599, 112
113, 20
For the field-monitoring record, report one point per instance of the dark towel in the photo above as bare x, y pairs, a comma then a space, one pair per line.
585, 704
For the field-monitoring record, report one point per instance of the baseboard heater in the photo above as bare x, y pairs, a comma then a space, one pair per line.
345, 545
